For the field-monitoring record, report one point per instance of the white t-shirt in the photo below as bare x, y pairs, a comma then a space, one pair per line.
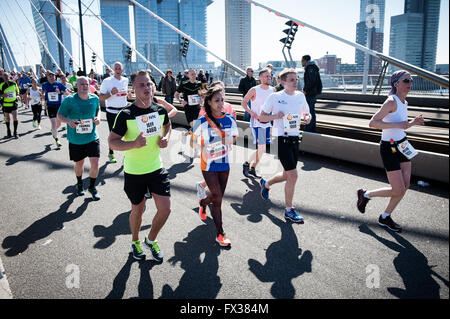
118, 101
288, 104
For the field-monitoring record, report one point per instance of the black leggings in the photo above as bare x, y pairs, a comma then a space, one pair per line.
217, 182
37, 109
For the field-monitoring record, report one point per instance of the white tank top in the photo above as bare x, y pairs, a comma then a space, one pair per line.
34, 96
400, 115
260, 99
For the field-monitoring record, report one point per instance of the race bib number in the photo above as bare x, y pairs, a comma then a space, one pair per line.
85, 126
149, 124
122, 92
11, 94
194, 99
35, 100
406, 149
216, 151
291, 123
25, 86
53, 97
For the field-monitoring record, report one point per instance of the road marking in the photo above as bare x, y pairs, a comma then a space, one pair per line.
5, 291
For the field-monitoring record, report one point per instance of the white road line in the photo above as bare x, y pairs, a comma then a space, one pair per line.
5, 291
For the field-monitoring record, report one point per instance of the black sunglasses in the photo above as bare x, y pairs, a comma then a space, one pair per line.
407, 80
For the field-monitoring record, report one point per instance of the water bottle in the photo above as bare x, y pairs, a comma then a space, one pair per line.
423, 184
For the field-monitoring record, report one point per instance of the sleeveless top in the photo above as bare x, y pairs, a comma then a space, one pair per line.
257, 104
400, 115
34, 96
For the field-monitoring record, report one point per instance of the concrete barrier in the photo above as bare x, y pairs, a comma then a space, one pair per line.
426, 165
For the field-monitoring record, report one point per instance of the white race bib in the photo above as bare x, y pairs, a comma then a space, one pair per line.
85, 126
53, 97
194, 99
406, 149
292, 123
25, 86
11, 94
149, 124
216, 151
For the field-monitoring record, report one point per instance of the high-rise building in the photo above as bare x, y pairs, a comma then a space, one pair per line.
153, 39
414, 33
238, 32
371, 15
7, 60
59, 27
117, 15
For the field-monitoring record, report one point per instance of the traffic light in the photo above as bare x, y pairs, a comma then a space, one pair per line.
70, 62
290, 34
94, 57
129, 54
184, 46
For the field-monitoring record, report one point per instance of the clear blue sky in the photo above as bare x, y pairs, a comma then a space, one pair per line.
335, 16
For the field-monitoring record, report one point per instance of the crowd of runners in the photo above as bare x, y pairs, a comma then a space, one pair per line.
142, 130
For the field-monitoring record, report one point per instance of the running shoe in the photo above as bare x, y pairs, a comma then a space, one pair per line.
94, 193
137, 251
201, 191
112, 158
245, 169
148, 195
362, 201
58, 144
16, 136
154, 248
80, 190
39, 127
389, 223
293, 216
202, 210
252, 171
34, 124
223, 241
264, 189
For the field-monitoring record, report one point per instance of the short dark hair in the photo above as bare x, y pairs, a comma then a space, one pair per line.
138, 73
307, 58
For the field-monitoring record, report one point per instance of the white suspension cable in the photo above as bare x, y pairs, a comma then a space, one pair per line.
126, 42
6, 58
87, 44
234, 67
48, 26
20, 26
37, 34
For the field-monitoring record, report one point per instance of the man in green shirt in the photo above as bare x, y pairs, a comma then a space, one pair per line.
80, 112
141, 130
73, 80
9, 92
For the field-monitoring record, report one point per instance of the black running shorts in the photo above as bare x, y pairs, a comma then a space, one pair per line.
192, 112
52, 111
78, 152
9, 109
136, 186
288, 152
391, 161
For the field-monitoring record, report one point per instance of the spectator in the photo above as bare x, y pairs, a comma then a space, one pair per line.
311, 88
245, 85
168, 86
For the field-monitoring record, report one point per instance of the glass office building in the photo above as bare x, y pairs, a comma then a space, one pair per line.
48, 12
414, 34
238, 32
7, 60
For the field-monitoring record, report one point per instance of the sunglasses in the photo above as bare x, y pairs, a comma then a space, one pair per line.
407, 80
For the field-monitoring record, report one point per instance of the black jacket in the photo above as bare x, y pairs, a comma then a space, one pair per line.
313, 84
246, 84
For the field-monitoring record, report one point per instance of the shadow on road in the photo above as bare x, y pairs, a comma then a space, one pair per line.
283, 263
30, 157
180, 168
145, 287
120, 226
44, 227
198, 256
412, 266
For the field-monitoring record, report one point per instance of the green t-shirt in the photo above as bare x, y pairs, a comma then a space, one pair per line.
73, 80
144, 160
11, 89
75, 108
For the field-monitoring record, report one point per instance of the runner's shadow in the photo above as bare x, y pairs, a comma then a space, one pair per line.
180, 168
43, 227
283, 263
30, 157
145, 287
102, 176
198, 256
412, 266
107, 235
48, 133
252, 203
